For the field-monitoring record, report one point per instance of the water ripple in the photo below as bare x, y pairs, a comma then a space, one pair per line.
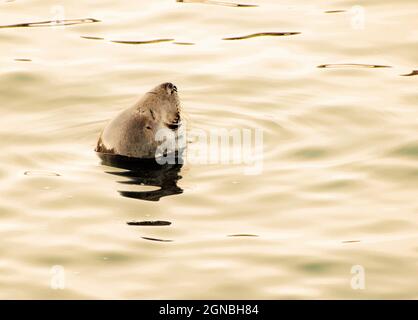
149, 223
352, 65
141, 41
262, 34
51, 23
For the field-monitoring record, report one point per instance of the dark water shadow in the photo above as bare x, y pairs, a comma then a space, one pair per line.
142, 41
335, 11
350, 241
157, 239
242, 235
412, 73
263, 34
91, 38
51, 23
23, 59
158, 223
145, 173
352, 65
220, 3
184, 43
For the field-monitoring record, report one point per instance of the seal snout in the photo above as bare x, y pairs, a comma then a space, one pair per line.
170, 87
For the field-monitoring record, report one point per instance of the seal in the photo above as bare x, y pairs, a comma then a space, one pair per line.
132, 133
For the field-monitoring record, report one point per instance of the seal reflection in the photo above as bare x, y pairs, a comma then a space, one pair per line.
145, 173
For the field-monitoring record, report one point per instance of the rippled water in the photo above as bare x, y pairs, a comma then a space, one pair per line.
339, 181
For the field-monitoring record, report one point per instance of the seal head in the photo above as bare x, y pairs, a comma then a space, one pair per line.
132, 133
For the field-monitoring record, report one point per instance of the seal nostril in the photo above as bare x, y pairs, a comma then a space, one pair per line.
170, 87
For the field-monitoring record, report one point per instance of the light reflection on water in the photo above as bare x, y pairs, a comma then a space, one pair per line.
339, 180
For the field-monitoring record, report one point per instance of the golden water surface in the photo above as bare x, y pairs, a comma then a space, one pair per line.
330, 84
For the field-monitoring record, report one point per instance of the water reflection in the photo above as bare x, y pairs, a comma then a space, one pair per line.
156, 239
263, 34
335, 11
51, 23
351, 65
158, 223
145, 173
92, 38
412, 73
142, 41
